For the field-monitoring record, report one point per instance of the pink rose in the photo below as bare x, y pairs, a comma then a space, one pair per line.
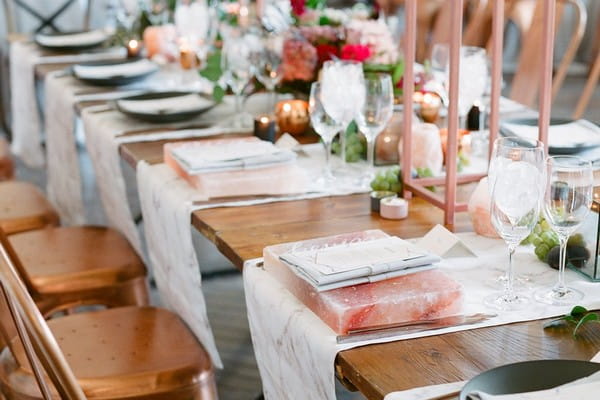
356, 52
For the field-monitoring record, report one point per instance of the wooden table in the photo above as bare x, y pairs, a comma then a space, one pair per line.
376, 370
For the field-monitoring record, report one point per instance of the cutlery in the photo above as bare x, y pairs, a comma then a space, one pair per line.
217, 200
406, 328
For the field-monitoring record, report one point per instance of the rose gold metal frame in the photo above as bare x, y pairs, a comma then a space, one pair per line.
417, 186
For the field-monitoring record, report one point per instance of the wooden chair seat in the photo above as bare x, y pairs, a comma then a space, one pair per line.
68, 267
23, 207
129, 352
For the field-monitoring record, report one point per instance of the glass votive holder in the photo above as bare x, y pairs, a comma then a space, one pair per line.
264, 128
134, 48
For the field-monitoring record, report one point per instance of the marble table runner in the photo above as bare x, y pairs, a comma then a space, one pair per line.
296, 351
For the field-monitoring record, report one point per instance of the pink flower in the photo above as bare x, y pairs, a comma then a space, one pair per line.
377, 37
299, 60
326, 52
356, 52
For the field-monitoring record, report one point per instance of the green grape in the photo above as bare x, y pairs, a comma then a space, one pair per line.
538, 229
550, 238
537, 241
396, 187
541, 251
576, 240
545, 225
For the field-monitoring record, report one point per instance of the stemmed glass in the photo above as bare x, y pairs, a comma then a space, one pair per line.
268, 64
375, 114
157, 11
127, 12
237, 70
567, 202
343, 94
473, 75
324, 125
517, 183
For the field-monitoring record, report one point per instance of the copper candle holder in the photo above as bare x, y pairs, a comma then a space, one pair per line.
292, 116
428, 105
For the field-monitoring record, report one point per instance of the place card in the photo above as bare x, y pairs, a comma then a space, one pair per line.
443, 243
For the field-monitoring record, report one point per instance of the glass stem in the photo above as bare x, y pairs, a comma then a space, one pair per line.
508, 287
562, 263
328, 158
238, 103
370, 150
273, 99
343, 145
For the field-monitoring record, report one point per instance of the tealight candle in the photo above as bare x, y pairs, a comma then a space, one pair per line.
188, 58
429, 105
393, 208
264, 128
378, 196
134, 48
292, 116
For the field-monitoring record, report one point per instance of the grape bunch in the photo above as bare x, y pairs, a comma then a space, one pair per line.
355, 147
545, 239
389, 180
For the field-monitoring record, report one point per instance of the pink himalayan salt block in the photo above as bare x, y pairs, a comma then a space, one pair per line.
274, 180
427, 148
158, 40
479, 210
417, 296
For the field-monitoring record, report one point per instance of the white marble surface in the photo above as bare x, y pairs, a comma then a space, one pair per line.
295, 350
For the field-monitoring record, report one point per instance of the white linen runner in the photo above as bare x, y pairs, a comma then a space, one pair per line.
296, 351
167, 203
104, 132
26, 126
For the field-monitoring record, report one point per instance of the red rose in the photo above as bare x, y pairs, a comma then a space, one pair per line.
326, 52
298, 6
356, 52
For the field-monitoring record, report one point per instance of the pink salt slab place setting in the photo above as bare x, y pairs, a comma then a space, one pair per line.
421, 295
227, 176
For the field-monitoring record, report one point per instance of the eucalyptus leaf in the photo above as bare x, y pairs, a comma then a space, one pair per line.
578, 311
586, 318
218, 93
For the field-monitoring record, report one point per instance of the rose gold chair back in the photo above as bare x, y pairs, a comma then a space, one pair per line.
41, 348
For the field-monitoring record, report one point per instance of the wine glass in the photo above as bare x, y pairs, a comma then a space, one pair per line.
473, 76
343, 94
157, 11
324, 125
566, 204
237, 70
268, 64
127, 12
517, 181
375, 114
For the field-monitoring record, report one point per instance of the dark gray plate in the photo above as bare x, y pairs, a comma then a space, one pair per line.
164, 116
115, 80
73, 48
576, 148
529, 376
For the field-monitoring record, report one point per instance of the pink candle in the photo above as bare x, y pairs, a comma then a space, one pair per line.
546, 75
497, 39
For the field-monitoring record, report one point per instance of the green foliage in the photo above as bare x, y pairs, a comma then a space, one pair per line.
578, 317
212, 70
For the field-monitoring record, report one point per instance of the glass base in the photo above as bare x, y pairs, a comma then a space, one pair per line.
521, 282
506, 302
559, 296
325, 181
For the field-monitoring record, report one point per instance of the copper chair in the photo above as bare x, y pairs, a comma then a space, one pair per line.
23, 207
123, 353
67, 267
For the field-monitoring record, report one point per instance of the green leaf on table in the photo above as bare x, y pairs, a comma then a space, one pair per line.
398, 72
212, 70
586, 318
578, 311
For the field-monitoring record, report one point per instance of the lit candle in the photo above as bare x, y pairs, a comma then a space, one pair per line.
292, 116
264, 128
133, 48
187, 57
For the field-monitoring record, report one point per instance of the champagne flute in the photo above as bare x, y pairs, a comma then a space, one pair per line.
517, 184
325, 126
566, 204
237, 71
343, 94
268, 64
374, 115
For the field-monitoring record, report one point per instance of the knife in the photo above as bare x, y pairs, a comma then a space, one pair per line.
406, 328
